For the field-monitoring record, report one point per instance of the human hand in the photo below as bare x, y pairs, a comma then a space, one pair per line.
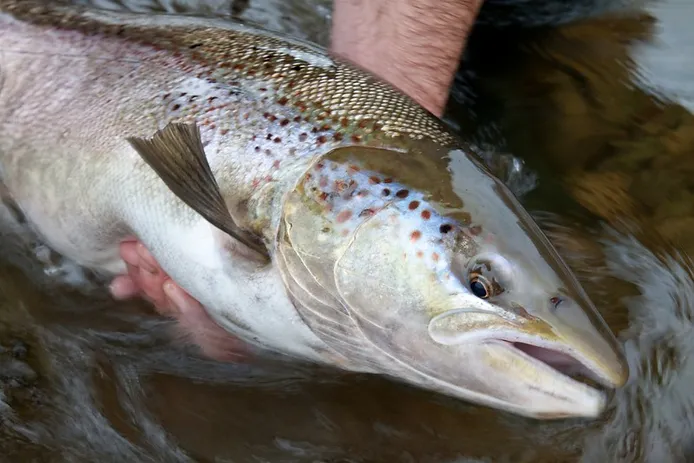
146, 278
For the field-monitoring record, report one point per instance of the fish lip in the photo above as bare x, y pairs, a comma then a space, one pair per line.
535, 349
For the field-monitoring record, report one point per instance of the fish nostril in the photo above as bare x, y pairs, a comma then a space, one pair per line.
555, 301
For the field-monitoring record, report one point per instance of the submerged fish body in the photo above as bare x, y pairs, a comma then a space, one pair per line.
311, 208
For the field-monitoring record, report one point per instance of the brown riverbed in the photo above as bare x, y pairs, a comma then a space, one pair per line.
599, 110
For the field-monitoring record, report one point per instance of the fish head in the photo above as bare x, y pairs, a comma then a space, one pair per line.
454, 287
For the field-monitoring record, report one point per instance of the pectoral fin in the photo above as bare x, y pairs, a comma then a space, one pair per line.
176, 154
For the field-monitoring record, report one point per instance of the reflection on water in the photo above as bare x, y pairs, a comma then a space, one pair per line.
599, 112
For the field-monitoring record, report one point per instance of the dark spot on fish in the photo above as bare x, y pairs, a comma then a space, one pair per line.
176, 107
388, 180
356, 138
303, 136
445, 228
386, 192
211, 99
262, 89
377, 126
323, 196
319, 165
257, 149
426, 214
344, 122
325, 229
297, 119
374, 180
402, 194
268, 152
363, 124
296, 68
367, 213
325, 127
413, 205
321, 139
475, 230
314, 130
337, 136
284, 122
195, 45
268, 136
277, 139
283, 101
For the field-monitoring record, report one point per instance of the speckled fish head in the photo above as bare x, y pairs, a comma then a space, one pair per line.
446, 276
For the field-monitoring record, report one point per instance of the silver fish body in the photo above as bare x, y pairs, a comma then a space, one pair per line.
392, 249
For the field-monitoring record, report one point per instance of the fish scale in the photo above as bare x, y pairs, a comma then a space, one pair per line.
311, 208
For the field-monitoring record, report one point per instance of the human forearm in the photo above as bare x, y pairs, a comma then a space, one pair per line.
413, 44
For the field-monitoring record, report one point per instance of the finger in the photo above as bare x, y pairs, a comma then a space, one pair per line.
128, 252
123, 287
151, 284
147, 260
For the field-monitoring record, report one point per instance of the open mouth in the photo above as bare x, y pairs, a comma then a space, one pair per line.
563, 363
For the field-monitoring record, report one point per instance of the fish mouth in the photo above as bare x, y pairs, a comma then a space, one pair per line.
561, 362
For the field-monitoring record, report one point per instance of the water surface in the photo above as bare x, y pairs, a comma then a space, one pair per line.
598, 110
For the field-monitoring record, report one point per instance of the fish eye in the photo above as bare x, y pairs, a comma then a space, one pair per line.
480, 287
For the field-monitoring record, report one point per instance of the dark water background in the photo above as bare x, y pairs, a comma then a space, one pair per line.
596, 99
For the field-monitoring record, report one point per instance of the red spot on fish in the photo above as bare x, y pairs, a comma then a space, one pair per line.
325, 127
388, 180
338, 136
277, 139
475, 230
224, 131
426, 214
353, 168
415, 235
323, 196
413, 205
297, 119
373, 180
367, 213
363, 193
319, 165
276, 164
255, 183
420, 254
363, 124
323, 181
377, 126
321, 139
402, 194
435, 257
239, 66
284, 122
344, 216
356, 138
344, 122
283, 101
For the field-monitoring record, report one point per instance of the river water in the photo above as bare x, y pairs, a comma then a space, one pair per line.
590, 120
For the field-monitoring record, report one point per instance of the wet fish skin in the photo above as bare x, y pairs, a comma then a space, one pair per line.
77, 84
